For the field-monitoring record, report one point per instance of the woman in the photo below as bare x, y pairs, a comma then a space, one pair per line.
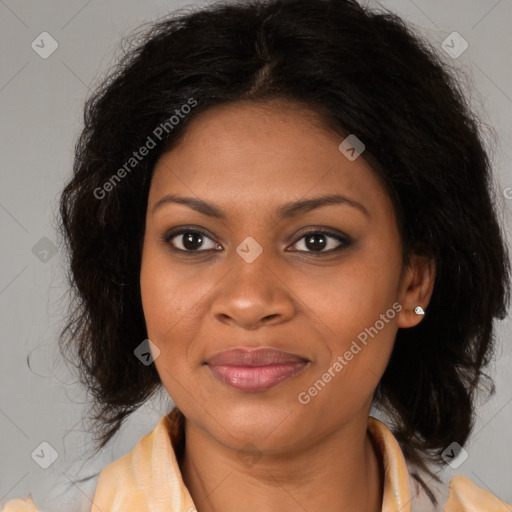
281, 212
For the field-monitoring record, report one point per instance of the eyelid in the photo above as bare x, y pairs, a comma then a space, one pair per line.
184, 229
344, 240
169, 235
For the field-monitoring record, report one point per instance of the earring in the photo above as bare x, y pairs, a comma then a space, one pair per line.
419, 310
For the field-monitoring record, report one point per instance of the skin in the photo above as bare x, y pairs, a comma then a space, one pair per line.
266, 450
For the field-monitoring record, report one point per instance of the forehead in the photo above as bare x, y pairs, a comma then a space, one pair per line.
262, 154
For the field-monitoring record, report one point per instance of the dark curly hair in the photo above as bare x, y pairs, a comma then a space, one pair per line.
363, 72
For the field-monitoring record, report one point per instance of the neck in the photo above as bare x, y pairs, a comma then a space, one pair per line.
340, 473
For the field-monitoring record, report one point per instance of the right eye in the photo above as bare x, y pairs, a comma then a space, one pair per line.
190, 240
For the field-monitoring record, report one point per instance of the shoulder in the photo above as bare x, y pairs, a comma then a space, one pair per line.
465, 495
419, 492
20, 505
115, 474
460, 495
117, 479
128, 479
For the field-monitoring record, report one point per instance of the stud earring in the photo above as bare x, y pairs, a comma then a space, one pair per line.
419, 310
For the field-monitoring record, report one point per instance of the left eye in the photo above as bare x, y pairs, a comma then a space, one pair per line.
317, 241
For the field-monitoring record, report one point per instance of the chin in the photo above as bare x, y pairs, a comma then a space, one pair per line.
267, 425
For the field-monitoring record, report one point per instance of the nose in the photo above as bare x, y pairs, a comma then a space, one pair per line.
253, 295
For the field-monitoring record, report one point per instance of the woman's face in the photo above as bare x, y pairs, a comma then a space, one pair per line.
265, 277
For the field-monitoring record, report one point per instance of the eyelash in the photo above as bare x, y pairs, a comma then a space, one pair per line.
345, 240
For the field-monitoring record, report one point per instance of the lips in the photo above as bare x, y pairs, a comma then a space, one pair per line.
255, 370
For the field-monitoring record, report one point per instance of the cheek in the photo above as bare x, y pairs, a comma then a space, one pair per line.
169, 295
172, 299
157, 302
351, 297
356, 307
164, 309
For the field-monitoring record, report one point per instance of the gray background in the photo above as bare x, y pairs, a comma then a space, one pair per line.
41, 103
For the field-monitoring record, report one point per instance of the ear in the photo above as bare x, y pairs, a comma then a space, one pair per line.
416, 287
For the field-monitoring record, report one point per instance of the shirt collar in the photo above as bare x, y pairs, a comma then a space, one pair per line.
149, 477
396, 495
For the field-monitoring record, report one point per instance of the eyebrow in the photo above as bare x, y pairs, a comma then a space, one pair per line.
285, 211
